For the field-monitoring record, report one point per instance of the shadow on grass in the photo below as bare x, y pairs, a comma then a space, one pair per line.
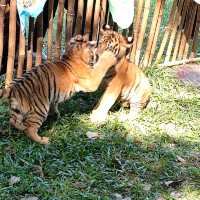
75, 167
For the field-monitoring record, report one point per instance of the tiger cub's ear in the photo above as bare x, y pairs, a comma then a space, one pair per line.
5, 93
105, 27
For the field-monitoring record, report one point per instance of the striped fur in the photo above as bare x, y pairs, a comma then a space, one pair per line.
125, 82
39, 91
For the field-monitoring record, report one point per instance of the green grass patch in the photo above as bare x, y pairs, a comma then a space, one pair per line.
156, 155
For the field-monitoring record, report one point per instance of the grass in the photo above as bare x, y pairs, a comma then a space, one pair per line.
156, 155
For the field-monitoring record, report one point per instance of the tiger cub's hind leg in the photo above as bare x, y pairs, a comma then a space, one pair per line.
32, 132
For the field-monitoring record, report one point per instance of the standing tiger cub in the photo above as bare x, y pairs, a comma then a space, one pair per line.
125, 82
39, 91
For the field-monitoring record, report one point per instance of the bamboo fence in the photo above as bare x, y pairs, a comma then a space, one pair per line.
176, 43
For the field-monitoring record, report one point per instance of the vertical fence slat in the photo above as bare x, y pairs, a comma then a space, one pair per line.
69, 19
196, 32
179, 23
152, 33
167, 30
39, 25
79, 19
184, 32
2, 13
189, 29
50, 29
156, 33
59, 27
137, 25
96, 19
103, 4
142, 31
11, 43
30, 45
21, 57
88, 16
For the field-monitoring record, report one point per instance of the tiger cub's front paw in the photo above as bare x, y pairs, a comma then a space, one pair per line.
98, 117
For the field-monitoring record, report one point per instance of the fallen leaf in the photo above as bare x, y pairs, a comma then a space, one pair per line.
93, 135
175, 194
173, 184
13, 180
117, 196
147, 187
30, 198
180, 159
160, 198
127, 198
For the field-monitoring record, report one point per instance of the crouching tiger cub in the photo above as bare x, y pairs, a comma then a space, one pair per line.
125, 82
39, 91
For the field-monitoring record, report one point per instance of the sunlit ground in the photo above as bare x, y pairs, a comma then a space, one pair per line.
153, 157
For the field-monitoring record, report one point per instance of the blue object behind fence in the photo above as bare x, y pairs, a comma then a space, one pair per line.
27, 8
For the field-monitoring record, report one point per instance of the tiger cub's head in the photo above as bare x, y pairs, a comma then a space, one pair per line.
113, 41
19, 107
80, 46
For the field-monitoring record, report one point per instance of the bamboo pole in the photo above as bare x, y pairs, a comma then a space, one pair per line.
137, 26
185, 31
196, 32
178, 29
39, 25
167, 30
179, 62
2, 14
190, 29
69, 23
88, 16
156, 33
79, 19
21, 54
30, 45
50, 29
11, 43
152, 33
142, 31
96, 19
59, 28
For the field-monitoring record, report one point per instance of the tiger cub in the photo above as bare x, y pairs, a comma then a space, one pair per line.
125, 82
39, 91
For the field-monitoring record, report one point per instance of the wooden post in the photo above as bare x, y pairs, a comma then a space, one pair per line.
69, 23
142, 31
11, 43
167, 30
30, 45
88, 16
39, 25
21, 57
137, 25
185, 30
179, 23
156, 33
79, 19
189, 30
196, 32
50, 29
2, 13
59, 28
103, 12
96, 19
152, 32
